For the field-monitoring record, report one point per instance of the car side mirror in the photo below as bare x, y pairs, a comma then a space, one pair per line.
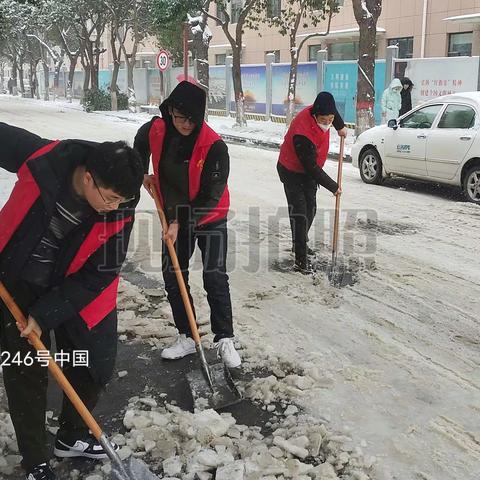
392, 124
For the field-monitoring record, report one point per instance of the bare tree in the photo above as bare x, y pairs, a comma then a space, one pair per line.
201, 37
56, 54
238, 18
138, 25
288, 20
367, 13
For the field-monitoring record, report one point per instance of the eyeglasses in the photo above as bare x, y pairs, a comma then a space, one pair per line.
182, 119
109, 202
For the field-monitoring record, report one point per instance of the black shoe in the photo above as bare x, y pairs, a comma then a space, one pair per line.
303, 267
88, 447
41, 472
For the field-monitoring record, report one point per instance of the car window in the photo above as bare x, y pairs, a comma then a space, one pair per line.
457, 116
422, 118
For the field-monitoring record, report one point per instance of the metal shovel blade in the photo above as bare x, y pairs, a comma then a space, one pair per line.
339, 275
133, 469
223, 394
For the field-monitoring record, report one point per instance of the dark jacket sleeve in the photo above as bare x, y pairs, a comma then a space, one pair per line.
213, 180
338, 122
17, 145
64, 302
307, 154
142, 144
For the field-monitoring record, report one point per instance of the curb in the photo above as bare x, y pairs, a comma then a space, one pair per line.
238, 140
273, 146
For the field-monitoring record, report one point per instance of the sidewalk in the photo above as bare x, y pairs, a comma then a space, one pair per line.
267, 135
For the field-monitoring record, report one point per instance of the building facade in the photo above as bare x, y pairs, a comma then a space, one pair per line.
420, 28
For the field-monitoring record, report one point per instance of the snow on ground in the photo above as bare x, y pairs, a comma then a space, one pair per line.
256, 130
391, 363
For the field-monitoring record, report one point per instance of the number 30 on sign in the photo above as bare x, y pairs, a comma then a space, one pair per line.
163, 60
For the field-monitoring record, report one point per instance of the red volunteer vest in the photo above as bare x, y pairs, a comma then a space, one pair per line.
24, 195
206, 138
304, 124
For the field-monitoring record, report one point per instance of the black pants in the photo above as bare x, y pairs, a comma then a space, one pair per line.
26, 386
212, 240
301, 193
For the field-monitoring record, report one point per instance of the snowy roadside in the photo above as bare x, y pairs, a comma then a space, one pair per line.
258, 133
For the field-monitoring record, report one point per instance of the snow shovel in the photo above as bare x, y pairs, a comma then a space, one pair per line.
213, 386
132, 469
338, 274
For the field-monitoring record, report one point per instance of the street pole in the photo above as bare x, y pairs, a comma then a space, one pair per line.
162, 87
185, 50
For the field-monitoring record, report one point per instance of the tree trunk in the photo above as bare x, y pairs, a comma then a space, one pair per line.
130, 64
71, 76
86, 79
14, 72
92, 70
2, 75
58, 66
366, 75
201, 39
366, 14
238, 89
86, 75
292, 82
31, 78
20, 76
46, 80
116, 67
95, 66
37, 90
114, 87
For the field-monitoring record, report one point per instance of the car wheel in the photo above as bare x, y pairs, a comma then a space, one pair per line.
371, 167
471, 184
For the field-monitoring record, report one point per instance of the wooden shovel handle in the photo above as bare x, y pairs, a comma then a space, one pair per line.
176, 268
55, 370
337, 198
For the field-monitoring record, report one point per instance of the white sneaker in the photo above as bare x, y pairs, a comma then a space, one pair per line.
182, 347
226, 351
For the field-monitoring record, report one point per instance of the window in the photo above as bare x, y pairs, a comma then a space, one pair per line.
220, 59
237, 6
276, 53
343, 51
405, 46
274, 8
460, 44
422, 118
457, 116
312, 52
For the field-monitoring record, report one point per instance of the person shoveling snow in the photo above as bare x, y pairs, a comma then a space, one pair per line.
300, 167
64, 237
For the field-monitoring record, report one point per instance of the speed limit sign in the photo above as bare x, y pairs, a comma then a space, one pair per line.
163, 60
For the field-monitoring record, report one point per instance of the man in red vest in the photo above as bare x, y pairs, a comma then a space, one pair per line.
64, 233
191, 166
300, 167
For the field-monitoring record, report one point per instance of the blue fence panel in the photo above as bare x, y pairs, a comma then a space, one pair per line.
306, 86
341, 81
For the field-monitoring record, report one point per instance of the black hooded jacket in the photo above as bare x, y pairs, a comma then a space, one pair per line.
66, 300
190, 100
406, 95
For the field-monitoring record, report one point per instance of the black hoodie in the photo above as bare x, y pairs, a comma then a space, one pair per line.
190, 101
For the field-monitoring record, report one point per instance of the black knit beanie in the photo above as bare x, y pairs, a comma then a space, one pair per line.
324, 104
